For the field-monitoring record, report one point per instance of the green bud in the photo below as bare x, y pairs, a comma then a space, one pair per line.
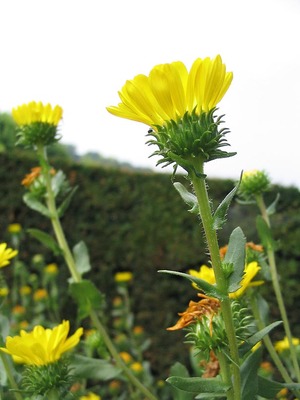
253, 183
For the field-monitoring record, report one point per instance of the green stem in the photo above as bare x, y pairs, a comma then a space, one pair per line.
10, 376
61, 239
277, 290
199, 185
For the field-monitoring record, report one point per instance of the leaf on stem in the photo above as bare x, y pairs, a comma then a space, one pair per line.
220, 215
249, 377
65, 204
91, 368
32, 202
189, 198
87, 296
199, 385
265, 234
46, 240
235, 256
268, 388
82, 258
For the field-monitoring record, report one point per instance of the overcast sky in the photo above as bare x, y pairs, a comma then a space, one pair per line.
78, 54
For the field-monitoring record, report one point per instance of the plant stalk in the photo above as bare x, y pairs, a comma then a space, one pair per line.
10, 376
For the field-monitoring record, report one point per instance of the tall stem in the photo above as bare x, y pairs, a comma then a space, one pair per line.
277, 291
61, 239
10, 376
199, 185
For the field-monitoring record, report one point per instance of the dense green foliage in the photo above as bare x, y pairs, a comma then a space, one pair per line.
136, 221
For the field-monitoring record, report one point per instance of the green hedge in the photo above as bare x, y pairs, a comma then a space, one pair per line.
136, 221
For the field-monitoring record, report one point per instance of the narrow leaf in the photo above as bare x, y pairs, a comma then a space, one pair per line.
33, 203
82, 258
268, 388
235, 255
219, 218
65, 204
254, 339
249, 379
199, 385
265, 234
272, 207
87, 296
189, 198
179, 369
46, 240
57, 181
91, 368
208, 289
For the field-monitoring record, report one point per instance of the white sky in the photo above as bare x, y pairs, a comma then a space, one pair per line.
78, 54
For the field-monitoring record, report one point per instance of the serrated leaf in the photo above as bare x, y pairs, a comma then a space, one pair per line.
235, 255
189, 198
87, 296
32, 202
268, 388
249, 377
82, 258
208, 289
198, 385
46, 240
65, 204
265, 234
257, 337
219, 217
91, 368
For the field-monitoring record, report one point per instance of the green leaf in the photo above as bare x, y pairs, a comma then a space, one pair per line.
189, 198
235, 256
87, 296
208, 289
272, 207
82, 258
65, 204
32, 202
265, 234
46, 240
219, 218
249, 375
179, 369
268, 388
258, 336
92, 368
57, 182
199, 385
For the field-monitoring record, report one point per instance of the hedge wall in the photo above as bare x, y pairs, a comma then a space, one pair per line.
136, 221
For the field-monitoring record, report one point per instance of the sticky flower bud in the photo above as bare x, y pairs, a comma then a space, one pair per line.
253, 184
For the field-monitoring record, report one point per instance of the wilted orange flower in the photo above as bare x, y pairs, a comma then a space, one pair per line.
207, 306
33, 175
255, 247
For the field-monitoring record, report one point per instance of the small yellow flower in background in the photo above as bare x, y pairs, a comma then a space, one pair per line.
138, 330
40, 294
27, 114
51, 269
23, 324
251, 270
90, 396
136, 367
37, 123
283, 345
18, 310
25, 290
282, 394
4, 291
14, 228
126, 357
41, 346
6, 254
121, 277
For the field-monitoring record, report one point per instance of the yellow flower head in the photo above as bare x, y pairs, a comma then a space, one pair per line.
121, 277
179, 106
283, 345
14, 228
90, 396
251, 269
25, 290
37, 122
40, 294
51, 269
4, 291
6, 254
41, 346
136, 367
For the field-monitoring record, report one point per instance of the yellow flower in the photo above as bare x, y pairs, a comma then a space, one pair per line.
18, 309
136, 367
25, 290
6, 254
90, 396
41, 346
179, 106
51, 269
123, 277
27, 114
14, 228
283, 345
251, 269
171, 90
4, 291
126, 357
40, 294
